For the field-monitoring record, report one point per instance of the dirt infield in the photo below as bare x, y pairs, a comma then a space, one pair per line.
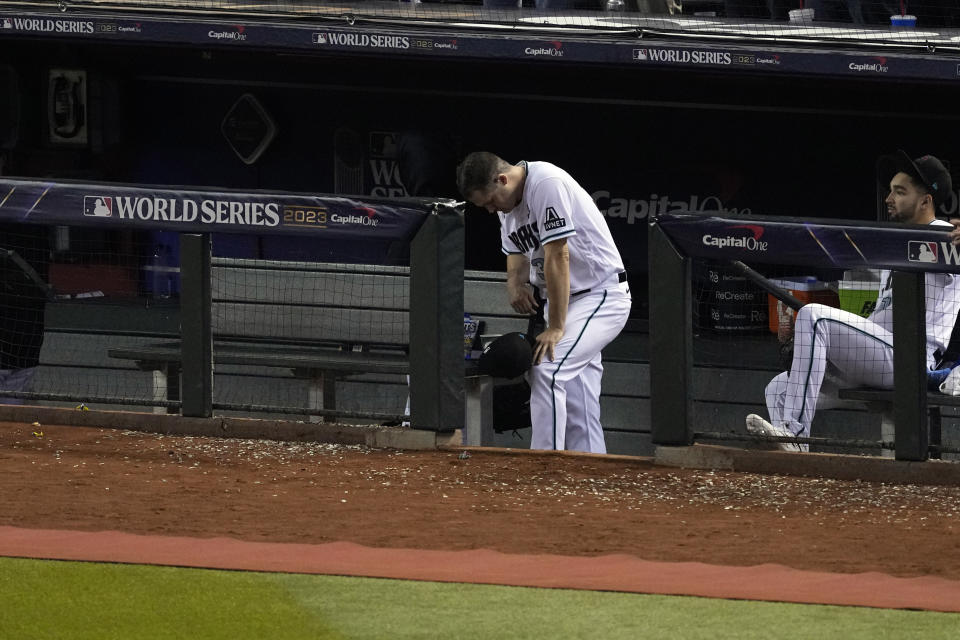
87, 479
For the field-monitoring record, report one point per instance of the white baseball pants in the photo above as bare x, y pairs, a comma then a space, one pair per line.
859, 349
565, 393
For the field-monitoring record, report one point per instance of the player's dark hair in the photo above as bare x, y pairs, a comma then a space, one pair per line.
478, 171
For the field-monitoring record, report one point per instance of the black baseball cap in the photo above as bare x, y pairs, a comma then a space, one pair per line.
508, 356
927, 170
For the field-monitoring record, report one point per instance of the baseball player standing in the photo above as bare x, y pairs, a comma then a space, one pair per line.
861, 349
556, 241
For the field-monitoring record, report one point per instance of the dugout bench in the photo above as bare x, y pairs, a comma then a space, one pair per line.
326, 322
921, 407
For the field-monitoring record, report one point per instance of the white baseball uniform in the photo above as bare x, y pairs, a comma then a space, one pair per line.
565, 393
861, 349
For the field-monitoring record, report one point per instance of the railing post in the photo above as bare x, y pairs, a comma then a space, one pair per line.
671, 342
196, 337
436, 323
910, 367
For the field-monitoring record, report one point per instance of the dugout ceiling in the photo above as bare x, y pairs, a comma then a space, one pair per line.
797, 138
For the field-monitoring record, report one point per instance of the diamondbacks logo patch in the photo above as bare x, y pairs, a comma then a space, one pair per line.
553, 220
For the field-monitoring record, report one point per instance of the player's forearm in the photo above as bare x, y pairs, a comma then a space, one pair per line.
518, 270
556, 268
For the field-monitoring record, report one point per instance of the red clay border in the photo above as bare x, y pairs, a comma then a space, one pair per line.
768, 582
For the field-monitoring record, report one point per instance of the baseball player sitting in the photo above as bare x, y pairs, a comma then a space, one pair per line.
860, 350
555, 239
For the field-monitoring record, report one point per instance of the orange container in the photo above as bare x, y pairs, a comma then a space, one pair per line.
805, 289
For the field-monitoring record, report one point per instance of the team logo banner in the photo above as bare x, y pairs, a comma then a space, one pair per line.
813, 242
213, 211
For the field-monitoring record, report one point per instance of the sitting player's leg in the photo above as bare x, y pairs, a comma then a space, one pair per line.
861, 350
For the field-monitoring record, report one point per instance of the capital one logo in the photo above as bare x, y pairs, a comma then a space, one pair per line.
751, 242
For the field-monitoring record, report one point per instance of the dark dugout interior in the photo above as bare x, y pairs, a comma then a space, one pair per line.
641, 140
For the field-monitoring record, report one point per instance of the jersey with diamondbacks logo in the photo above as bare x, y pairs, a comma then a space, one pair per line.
554, 206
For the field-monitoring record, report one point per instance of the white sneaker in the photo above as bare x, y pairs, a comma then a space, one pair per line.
759, 427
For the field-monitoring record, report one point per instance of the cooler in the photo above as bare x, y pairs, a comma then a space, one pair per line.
806, 289
858, 296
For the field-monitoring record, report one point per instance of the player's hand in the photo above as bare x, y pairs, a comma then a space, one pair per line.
546, 341
522, 300
785, 332
955, 232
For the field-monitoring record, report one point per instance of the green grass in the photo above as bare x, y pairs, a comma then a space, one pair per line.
47, 599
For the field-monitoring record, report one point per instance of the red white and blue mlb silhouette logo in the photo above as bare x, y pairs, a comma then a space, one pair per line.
918, 251
98, 206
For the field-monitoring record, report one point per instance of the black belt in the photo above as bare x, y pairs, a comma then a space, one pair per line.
621, 277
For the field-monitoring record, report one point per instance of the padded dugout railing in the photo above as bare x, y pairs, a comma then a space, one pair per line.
676, 239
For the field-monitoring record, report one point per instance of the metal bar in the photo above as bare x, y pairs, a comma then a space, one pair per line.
936, 432
66, 397
671, 342
910, 366
196, 346
829, 442
307, 411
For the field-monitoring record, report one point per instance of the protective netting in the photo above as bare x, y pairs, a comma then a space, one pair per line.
303, 308
756, 354
93, 317
902, 21
69, 296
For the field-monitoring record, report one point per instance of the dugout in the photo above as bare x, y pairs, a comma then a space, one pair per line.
794, 138
786, 128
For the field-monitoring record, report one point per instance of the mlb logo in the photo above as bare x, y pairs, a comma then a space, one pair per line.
7, 23
921, 251
319, 38
97, 206
639, 54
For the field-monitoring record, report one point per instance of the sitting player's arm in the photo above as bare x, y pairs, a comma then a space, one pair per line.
518, 284
556, 269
